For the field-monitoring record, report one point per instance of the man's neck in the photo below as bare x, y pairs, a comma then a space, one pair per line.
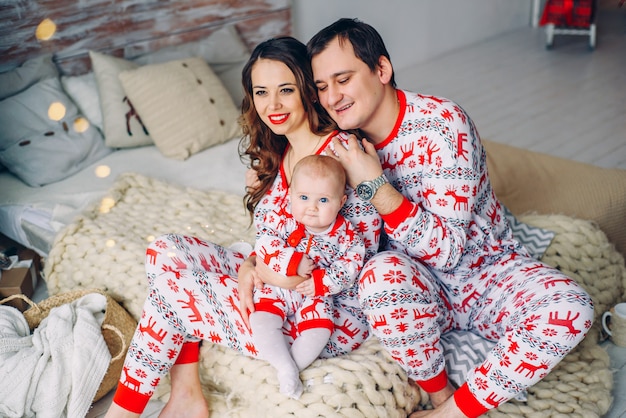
383, 121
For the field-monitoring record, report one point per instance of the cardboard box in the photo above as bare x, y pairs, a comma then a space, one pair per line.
18, 280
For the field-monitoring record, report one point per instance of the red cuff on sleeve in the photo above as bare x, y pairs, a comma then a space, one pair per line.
435, 384
320, 288
189, 353
395, 218
292, 267
467, 403
130, 399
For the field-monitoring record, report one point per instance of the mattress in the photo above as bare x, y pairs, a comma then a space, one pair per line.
33, 216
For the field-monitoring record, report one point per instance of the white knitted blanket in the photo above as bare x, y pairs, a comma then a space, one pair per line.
56, 371
105, 248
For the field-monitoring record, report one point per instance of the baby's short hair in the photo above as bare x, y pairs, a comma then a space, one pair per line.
321, 166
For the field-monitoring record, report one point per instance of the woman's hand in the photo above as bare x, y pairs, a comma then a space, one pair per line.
247, 279
269, 276
306, 288
252, 179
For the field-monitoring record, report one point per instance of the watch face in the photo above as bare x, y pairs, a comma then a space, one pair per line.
364, 191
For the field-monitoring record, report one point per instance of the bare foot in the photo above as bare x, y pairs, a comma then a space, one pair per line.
186, 397
438, 398
448, 409
116, 411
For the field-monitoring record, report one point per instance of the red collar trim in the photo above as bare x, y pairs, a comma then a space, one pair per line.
396, 127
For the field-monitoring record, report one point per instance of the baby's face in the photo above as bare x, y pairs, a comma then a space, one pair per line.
315, 202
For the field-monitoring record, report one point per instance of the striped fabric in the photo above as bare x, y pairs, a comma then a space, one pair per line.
463, 351
536, 240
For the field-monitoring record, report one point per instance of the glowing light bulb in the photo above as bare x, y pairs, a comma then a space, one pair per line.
103, 171
81, 124
45, 30
106, 204
56, 111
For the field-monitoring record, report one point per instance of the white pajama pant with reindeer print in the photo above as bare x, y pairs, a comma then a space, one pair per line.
534, 313
192, 297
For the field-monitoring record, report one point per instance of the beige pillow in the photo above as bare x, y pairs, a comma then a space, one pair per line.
122, 127
533, 182
183, 104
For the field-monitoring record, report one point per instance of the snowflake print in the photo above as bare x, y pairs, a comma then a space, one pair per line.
161, 244
411, 353
155, 348
549, 332
399, 313
415, 363
178, 339
480, 383
505, 361
209, 319
197, 333
394, 277
173, 285
419, 325
433, 242
140, 373
442, 202
387, 331
465, 188
342, 340
531, 356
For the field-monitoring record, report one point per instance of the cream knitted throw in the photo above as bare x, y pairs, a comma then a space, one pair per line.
105, 248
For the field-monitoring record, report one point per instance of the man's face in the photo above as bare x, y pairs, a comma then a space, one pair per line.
347, 88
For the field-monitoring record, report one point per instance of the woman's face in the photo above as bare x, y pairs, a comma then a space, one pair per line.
277, 98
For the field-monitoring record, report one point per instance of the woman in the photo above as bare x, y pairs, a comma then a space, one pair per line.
200, 290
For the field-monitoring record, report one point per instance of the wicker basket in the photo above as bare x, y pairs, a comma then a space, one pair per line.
118, 328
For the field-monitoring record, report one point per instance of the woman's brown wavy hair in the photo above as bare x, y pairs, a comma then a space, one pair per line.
260, 147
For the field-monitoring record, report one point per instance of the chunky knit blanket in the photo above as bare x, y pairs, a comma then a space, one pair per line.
105, 247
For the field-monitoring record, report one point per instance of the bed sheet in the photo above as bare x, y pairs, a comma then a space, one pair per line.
33, 216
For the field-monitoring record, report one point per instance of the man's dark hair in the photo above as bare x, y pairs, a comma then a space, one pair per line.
367, 43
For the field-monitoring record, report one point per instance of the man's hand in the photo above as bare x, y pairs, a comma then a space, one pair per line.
360, 164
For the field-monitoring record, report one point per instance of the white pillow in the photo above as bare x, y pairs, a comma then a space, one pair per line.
38, 149
122, 127
184, 105
223, 50
83, 90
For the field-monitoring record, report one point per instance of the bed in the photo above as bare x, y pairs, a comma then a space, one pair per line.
89, 182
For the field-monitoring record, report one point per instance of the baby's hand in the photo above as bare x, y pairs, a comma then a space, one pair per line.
306, 288
305, 268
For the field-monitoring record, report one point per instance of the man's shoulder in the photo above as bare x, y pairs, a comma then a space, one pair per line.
421, 99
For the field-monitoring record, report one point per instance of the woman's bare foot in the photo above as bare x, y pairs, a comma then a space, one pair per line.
438, 398
186, 397
116, 411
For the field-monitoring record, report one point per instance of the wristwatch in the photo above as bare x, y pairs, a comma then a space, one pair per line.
368, 189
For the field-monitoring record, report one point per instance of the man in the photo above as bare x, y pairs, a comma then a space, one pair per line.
451, 260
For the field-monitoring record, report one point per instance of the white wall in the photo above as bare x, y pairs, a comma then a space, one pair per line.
416, 30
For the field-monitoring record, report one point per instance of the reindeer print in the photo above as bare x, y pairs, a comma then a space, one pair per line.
192, 304
132, 113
